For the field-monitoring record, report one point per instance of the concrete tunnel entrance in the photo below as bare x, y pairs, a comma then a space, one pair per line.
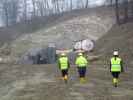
50, 54
28, 48
39, 56
43, 56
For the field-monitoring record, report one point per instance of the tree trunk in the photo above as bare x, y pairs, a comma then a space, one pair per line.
48, 7
86, 6
7, 18
132, 8
25, 11
34, 8
125, 10
5, 9
111, 2
117, 11
71, 7
57, 6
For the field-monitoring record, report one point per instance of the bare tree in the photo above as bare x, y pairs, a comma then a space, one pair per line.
71, 4
25, 11
80, 4
13, 11
5, 11
34, 7
46, 7
55, 4
62, 5
132, 7
125, 10
86, 5
41, 8
1, 7
117, 11
110, 2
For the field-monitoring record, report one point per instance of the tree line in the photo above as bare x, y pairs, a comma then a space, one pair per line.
123, 11
14, 11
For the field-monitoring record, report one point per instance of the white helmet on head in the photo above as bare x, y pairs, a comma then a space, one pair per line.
80, 54
115, 53
63, 54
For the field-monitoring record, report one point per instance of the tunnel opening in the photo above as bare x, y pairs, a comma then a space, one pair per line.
51, 53
44, 56
39, 56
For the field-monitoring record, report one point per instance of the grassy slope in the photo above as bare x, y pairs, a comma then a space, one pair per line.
119, 38
12, 32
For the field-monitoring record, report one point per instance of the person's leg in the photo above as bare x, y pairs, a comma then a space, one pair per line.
83, 74
84, 71
114, 74
63, 74
66, 74
117, 76
79, 71
80, 74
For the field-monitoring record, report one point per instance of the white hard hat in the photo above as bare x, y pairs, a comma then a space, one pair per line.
80, 54
63, 54
115, 53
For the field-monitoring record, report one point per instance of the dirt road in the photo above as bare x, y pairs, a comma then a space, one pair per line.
42, 82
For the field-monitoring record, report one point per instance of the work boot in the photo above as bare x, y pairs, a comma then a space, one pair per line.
82, 80
65, 78
115, 82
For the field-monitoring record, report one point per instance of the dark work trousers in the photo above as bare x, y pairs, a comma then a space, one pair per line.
115, 74
82, 71
64, 72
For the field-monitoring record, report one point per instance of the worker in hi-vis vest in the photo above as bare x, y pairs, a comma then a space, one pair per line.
116, 67
64, 65
81, 63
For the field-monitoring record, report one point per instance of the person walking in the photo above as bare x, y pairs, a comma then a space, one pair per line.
116, 67
81, 63
64, 66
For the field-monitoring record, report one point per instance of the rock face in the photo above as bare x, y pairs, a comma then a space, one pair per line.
91, 25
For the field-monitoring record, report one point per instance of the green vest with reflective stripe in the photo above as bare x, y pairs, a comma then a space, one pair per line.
63, 63
81, 61
115, 64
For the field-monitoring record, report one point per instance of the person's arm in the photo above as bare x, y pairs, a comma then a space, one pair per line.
85, 60
122, 69
59, 65
110, 66
77, 62
68, 64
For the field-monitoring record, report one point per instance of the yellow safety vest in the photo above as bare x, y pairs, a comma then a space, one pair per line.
81, 61
63, 63
115, 64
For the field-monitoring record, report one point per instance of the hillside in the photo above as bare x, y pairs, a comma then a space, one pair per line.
79, 25
118, 38
43, 82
